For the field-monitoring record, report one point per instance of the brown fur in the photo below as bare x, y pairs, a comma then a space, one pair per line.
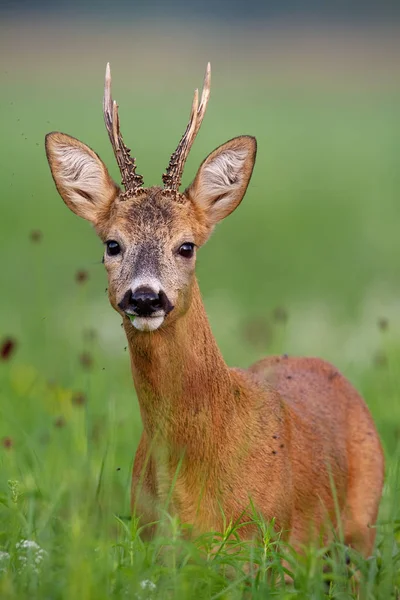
279, 433
284, 433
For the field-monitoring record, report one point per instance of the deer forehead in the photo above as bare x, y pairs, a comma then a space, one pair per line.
151, 216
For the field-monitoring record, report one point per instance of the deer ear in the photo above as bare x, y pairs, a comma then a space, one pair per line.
81, 177
223, 177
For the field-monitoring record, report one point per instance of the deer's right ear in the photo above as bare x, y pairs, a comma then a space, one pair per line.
81, 177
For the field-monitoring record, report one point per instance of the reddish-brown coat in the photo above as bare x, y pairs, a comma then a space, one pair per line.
280, 434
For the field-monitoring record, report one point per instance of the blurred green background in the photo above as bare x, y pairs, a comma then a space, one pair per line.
309, 263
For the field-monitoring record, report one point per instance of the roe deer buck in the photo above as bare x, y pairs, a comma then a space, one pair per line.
279, 433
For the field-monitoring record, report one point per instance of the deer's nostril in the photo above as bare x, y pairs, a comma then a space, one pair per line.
155, 302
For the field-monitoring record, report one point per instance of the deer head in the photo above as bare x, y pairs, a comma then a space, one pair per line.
151, 235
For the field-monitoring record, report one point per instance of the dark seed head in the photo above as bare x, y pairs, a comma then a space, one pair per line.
79, 399
7, 348
86, 360
81, 276
36, 236
7, 442
59, 422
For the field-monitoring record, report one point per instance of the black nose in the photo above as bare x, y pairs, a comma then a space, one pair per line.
143, 301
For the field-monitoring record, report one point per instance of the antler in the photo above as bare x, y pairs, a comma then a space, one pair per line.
127, 165
172, 178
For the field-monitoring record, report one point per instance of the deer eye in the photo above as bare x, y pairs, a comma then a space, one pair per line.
113, 248
186, 250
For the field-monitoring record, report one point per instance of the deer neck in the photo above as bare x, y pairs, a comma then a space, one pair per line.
181, 379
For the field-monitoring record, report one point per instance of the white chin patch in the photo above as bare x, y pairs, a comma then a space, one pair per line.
147, 323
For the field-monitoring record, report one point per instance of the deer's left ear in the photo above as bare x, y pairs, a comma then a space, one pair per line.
223, 177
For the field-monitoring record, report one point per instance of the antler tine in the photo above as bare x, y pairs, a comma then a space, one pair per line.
205, 96
127, 164
172, 178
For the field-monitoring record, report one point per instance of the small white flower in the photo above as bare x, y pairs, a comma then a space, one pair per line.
30, 548
4, 558
146, 584
28, 545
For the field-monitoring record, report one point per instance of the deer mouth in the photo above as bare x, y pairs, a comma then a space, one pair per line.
148, 323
